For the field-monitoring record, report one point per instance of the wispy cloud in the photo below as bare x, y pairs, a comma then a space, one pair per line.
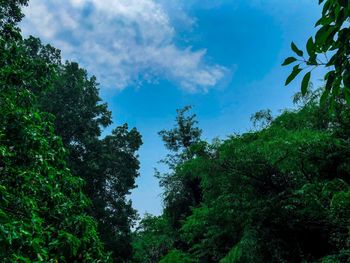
123, 42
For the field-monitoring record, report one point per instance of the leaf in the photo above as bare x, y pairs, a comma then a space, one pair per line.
347, 95
3, 217
305, 83
324, 21
324, 97
344, 3
323, 34
340, 18
295, 72
330, 80
346, 81
332, 60
288, 61
332, 104
335, 90
329, 74
326, 7
296, 50
312, 60
310, 47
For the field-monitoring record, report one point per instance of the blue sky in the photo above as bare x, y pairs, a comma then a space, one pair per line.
152, 57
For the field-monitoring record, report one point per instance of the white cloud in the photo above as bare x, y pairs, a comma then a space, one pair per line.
123, 42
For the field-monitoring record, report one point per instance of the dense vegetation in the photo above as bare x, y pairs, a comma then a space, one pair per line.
63, 187
279, 193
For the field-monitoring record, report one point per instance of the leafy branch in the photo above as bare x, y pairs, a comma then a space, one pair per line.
331, 40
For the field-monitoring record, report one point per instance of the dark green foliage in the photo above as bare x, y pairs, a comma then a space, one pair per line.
184, 134
181, 188
10, 12
176, 256
109, 166
156, 236
42, 206
262, 119
274, 183
33, 81
152, 239
279, 194
75, 102
330, 49
246, 250
111, 179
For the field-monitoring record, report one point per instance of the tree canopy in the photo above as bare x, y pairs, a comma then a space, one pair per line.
277, 193
70, 183
42, 205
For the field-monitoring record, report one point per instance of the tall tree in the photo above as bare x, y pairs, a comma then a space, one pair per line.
109, 166
182, 189
152, 239
117, 163
42, 206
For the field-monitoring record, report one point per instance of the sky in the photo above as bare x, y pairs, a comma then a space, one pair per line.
152, 57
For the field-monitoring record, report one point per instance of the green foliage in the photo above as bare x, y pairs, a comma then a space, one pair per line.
296, 70
114, 175
181, 185
184, 134
329, 49
10, 12
262, 118
279, 194
33, 80
42, 206
245, 251
108, 165
176, 256
152, 239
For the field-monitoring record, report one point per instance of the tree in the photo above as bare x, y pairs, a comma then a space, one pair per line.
152, 239
330, 49
42, 206
278, 194
116, 167
182, 190
108, 165
176, 256
262, 118
10, 12
184, 134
